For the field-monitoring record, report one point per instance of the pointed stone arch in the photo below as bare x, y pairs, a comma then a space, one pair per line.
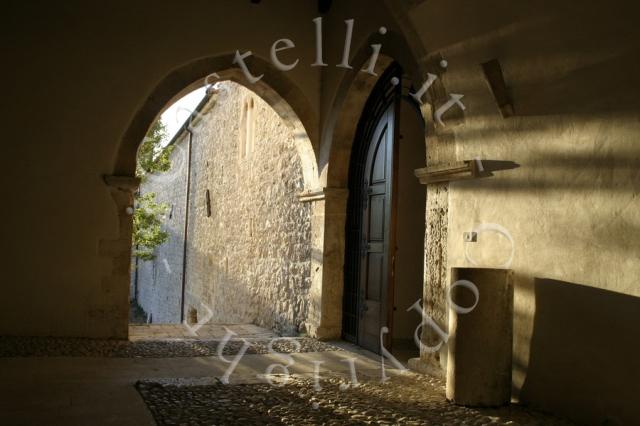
275, 88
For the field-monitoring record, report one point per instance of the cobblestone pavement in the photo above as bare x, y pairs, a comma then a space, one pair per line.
74, 347
409, 399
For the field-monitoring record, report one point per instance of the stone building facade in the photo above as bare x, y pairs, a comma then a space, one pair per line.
247, 248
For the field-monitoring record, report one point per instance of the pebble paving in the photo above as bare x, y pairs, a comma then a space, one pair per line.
75, 347
409, 399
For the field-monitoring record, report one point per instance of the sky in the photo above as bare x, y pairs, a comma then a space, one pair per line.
175, 116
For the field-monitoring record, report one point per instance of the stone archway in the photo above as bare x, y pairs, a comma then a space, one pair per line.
354, 90
278, 91
282, 95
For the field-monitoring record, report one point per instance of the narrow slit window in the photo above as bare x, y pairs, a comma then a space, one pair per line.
247, 128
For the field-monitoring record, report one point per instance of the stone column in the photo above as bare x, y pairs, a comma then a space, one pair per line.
440, 143
329, 214
111, 319
480, 337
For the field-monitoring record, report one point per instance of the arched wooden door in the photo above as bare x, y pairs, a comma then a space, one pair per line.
368, 295
377, 215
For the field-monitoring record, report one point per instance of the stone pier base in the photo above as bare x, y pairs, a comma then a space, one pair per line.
480, 337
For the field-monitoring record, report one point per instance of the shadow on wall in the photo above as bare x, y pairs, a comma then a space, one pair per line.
584, 356
567, 171
157, 284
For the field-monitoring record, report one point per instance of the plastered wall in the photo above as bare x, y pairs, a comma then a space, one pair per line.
571, 207
96, 65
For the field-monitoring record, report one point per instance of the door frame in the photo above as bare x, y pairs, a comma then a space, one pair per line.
384, 95
393, 222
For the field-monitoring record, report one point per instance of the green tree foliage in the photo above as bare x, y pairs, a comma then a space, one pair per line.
152, 156
148, 214
147, 226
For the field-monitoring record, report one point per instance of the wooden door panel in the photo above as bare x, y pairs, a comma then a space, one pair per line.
371, 319
377, 217
374, 283
374, 276
375, 247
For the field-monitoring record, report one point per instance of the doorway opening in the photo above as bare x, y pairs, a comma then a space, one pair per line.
160, 215
238, 239
385, 227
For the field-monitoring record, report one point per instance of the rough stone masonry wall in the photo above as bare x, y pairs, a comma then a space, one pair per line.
249, 261
158, 284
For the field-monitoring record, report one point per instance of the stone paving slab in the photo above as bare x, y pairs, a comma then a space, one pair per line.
96, 391
99, 402
53, 370
164, 348
197, 332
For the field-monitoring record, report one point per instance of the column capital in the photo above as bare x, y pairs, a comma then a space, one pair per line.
321, 194
122, 183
